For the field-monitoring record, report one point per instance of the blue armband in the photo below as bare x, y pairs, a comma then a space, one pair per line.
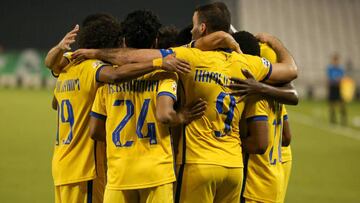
165, 52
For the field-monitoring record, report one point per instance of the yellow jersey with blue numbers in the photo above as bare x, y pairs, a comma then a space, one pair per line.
267, 52
264, 173
74, 156
286, 151
214, 138
139, 152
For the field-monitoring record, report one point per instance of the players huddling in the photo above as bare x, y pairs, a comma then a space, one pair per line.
203, 122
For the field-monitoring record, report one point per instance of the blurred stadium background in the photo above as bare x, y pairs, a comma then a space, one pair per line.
326, 165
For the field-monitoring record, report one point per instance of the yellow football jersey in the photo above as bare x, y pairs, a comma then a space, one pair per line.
286, 151
267, 185
139, 152
267, 52
73, 159
214, 138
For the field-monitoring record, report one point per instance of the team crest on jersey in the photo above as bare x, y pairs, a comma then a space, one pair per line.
266, 62
174, 86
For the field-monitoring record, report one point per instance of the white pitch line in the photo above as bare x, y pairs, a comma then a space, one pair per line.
316, 123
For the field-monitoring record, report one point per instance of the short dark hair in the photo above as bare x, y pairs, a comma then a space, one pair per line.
184, 36
140, 29
216, 16
167, 37
100, 34
97, 16
249, 44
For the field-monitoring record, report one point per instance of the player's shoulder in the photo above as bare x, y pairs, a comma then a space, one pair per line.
186, 49
94, 63
161, 75
103, 88
257, 61
267, 52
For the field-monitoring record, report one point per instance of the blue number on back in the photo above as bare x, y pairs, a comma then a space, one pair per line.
276, 124
129, 114
140, 123
69, 119
150, 126
229, 113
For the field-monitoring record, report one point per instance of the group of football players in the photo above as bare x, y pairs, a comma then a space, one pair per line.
147, 114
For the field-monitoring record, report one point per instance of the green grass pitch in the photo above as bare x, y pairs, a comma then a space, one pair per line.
326, 166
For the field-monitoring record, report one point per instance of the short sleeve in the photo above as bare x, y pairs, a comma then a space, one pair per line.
260, 67
55, 75
99, 108
94, 69
256, 109
168, 85
67, 56
267, 52
187, 54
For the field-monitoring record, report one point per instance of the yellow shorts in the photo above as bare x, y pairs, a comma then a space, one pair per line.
287, 171
88, 191
208, 183
158, 194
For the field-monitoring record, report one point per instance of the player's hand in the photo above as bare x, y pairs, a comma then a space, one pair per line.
232, 44
243, 88
82, 54
193, 111
69, 39
170, 63
266, 38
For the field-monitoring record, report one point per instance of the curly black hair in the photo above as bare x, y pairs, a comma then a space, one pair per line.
184, 36
97, 16
140, 29
167, 37
104, 33
248, 43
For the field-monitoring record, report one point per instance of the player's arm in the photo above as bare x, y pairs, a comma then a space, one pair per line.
109, 74
118, 56
286, 139
256, 141
285, 70
55, 60
285, 94
98, 117
166, 114
216, 40
97, 128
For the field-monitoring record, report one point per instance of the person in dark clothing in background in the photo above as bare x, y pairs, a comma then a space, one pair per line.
335, 73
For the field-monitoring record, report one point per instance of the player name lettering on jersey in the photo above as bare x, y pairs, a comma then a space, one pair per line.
68, 85
134, 86
210, 77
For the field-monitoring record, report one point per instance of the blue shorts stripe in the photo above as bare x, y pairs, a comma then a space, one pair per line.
89, 191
